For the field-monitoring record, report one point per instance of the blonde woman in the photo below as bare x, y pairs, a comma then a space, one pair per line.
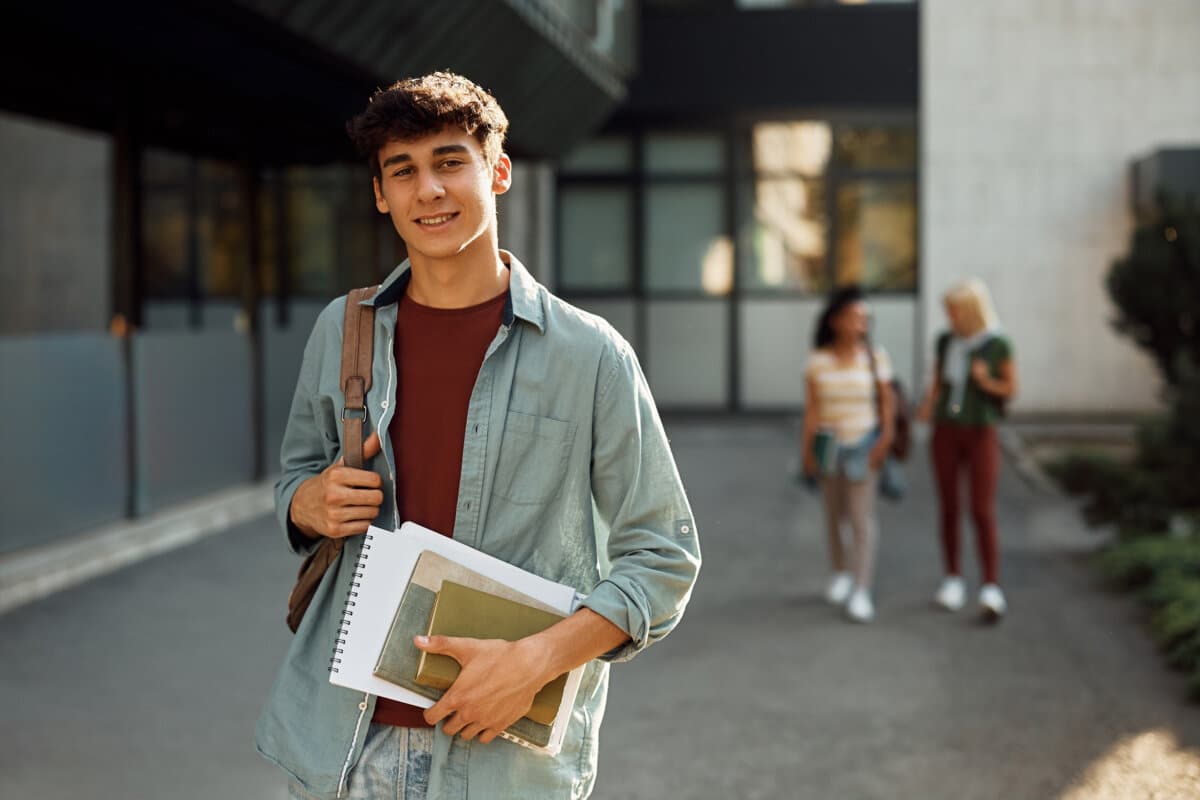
975, 375
847, 385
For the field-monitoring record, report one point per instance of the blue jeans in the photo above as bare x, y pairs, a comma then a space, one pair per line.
853, 460
394, 764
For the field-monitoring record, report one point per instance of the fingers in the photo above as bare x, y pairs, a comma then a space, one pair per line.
454, 724
372, 446
337, 495
458, 648
439, 711
343, 514
354, 478
488, 736
470, 731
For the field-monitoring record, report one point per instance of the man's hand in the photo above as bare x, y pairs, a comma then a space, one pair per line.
341, 501
495, 688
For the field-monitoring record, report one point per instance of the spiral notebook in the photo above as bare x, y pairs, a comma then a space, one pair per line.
383, 571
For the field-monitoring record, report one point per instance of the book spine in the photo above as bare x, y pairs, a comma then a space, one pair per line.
339, 645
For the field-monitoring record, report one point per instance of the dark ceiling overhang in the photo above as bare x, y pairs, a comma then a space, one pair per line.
276, 80
711, 61
551, 81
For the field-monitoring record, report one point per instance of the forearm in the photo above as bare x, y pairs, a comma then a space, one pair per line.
576, 640
1003, 388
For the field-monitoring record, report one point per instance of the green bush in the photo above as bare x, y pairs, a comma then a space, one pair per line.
1156, 284
1085, 473
1155, 288
1126, 494
1166, 571
1151, 562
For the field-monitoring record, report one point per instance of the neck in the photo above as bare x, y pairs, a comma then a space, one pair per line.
473, 276
845, 345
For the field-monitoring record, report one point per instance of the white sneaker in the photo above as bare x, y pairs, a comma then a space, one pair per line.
860, 608
952, 594
992, 603
839, 589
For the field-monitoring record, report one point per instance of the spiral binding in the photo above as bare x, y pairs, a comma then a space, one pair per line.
348, 606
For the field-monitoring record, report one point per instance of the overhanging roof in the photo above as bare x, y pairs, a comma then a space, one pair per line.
553, 83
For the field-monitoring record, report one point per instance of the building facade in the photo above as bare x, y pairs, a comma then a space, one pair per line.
180, 200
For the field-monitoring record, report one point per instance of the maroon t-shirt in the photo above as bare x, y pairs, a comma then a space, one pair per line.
438, 354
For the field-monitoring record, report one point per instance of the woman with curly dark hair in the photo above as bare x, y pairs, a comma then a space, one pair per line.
846, 437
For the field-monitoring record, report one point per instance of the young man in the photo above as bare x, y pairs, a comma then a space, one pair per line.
503, 417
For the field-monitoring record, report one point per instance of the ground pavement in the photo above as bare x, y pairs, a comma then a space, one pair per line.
146, 683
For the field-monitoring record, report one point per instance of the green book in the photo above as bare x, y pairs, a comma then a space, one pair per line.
825, 448
463, 611
399, 657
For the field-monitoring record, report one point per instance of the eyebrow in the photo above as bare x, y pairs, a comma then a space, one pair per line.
445, 149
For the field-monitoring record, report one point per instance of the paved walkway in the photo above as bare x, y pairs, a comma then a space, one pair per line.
146, 683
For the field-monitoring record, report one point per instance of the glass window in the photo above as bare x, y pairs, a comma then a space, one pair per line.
685, 153
791, 147
607, 154
877, 227
596, 240
165, 223
268, 233
313, 197
686, 246
222, 234
783, 234
876, 147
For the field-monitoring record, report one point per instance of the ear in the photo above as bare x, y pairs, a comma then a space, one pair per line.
381, 202
502, 174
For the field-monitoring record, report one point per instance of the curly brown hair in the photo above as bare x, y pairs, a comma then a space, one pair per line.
415, 107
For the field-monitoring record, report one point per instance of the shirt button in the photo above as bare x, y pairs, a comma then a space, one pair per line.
685, 529
362, 706
384, 405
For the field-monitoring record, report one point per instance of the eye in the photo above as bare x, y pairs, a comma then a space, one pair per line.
452, 162
402, 172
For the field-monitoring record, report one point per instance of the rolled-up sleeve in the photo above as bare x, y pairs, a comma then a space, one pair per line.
303, 452
652, 543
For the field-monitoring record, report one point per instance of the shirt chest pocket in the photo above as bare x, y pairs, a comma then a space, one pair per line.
533, 458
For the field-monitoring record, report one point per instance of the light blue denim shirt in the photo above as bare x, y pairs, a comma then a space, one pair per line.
566, 472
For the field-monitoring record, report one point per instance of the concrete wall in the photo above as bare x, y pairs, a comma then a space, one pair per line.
192, 416
63, 466
1031, 111
55, 227
776, 339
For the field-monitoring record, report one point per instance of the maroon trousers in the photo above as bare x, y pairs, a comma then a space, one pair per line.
977, 449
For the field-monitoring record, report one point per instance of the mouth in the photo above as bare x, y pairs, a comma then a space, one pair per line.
436, 221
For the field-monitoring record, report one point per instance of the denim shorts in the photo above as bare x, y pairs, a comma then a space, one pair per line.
395, 763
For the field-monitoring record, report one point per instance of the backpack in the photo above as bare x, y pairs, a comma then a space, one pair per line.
901, 411
358, 340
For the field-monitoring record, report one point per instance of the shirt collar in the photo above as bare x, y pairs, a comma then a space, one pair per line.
523, 300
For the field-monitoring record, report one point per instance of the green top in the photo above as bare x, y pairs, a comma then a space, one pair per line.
977, 408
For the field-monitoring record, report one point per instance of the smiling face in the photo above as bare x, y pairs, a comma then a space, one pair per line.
853, 322
440, 191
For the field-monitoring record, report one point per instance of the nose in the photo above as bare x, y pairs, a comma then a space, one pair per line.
429, 188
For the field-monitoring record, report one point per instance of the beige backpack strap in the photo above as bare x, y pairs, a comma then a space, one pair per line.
358, 339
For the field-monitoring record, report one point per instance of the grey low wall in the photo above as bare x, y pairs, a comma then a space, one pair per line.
283, 350
63, 465
192, 415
